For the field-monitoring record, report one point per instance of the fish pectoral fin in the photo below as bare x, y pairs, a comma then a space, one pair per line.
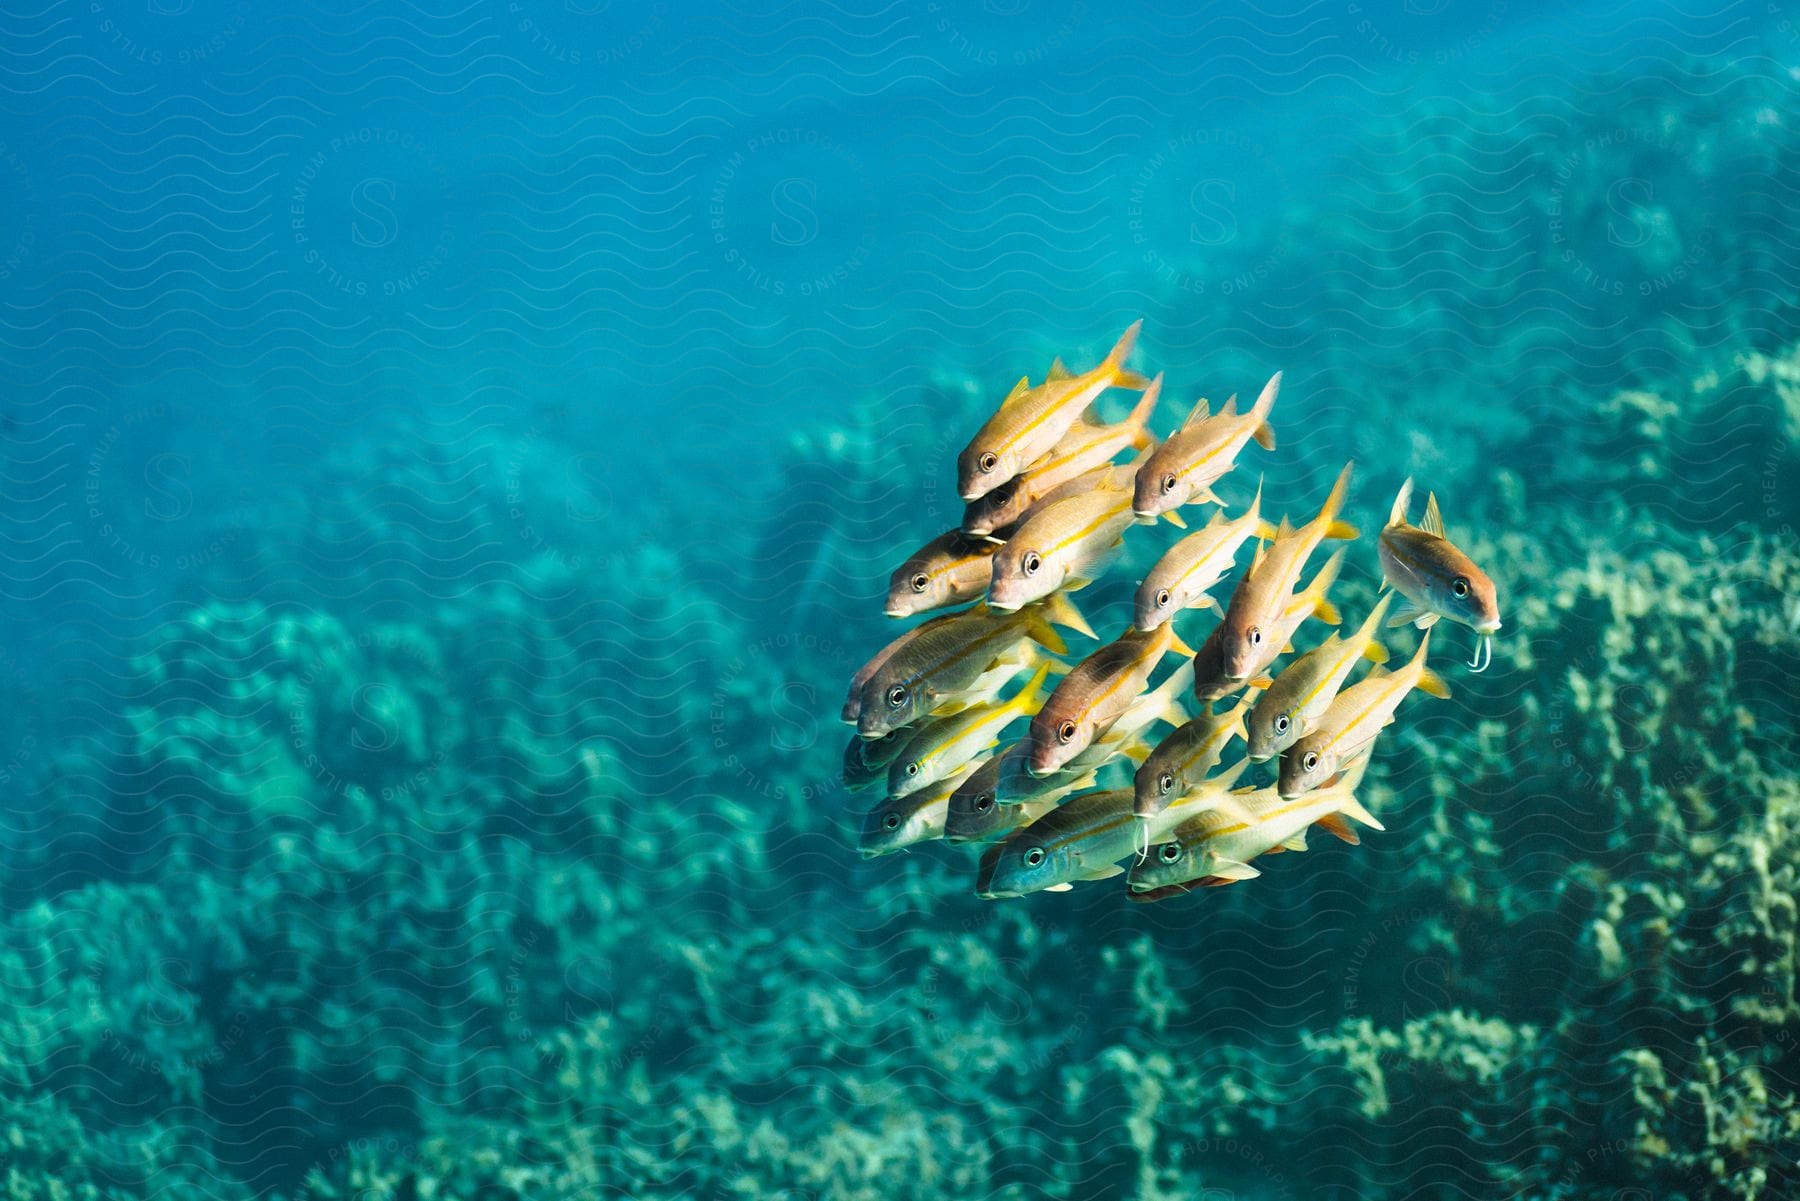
1105, 873
1433, 521
1262, 681
1334, 825
1176, 520
1064, 887
1208, 601
1206, 496
1426, 621
1231, 869
1408, 613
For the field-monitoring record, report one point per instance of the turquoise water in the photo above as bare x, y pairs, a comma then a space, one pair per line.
455, 456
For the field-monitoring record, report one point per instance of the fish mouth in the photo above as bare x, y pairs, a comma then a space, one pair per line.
896, 611
1005, 606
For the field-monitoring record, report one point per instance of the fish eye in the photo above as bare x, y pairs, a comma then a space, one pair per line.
1281, 724
1162, 599
891, 821
1032, 562
920, 582
1255, 636
1034, 856
983, 803
1168, 482
897, 695
1460, 585
1311, 761
1171, 851
1165, 782
988, 462
912, 769
1066, 731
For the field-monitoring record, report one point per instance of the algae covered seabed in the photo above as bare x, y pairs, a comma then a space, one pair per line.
454, 460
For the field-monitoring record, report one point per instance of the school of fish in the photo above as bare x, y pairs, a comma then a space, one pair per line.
979, 726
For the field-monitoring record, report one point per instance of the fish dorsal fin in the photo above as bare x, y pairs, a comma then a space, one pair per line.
1433, 522
1058, 371
1019, 389
1199, 414
1285, 528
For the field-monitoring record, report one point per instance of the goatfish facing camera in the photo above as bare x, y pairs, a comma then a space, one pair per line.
1196, 456
1180, 761
1299, 696
938, 750
958, 662
1085, 840
896, 824
1001, 795
1355, 718
1437, 578
1264, 592
1066, 541
1216, 847
1185, 574
951, 569
1213, 680
1031, 421
1086, 446
1100, 689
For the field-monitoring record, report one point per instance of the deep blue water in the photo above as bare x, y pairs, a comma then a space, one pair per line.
454, 457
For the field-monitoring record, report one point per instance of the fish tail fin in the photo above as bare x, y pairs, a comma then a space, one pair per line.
1138, 420
1172, 641
1043, 633
1114, 366
1321, 586
1334, 503
1229, 777
1265, 433
1371, 624
1342, 531
1031, 697
1397, 515
1059, 609
1429, 681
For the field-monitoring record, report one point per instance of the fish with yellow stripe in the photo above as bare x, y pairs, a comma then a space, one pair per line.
1031, 421
898, 823
1180, 762
1213, 681
957, 662
1196, 456
1067, 540
1350, 726
1264, 593
1437, 578
1187, 572
952, 569
1217, 846
1087, 445
1001, 795
1096, 693
1085, 839
1294, 700
938, 750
